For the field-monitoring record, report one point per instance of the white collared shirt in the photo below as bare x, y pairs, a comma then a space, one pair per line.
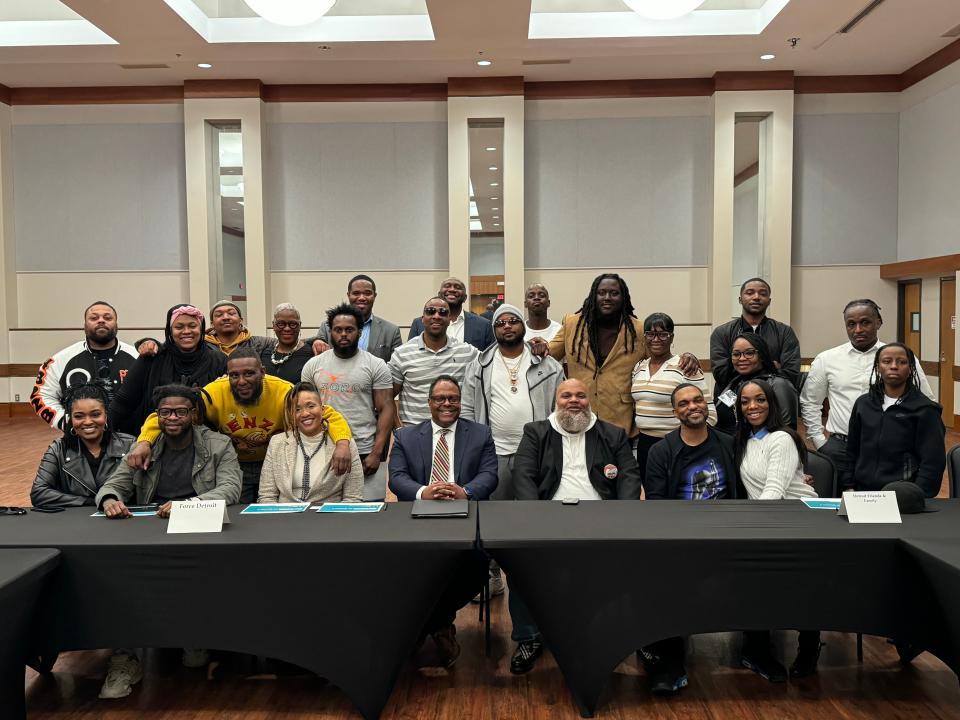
574, 475
840, 375
456, 327
433, 449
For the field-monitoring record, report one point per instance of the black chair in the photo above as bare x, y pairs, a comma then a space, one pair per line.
953, 470
824, 474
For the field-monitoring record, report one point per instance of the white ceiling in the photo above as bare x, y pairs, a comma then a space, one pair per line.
894, 37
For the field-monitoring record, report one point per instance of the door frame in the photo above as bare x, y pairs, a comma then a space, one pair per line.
901, 292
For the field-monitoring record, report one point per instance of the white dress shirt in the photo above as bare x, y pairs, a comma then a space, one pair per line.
840, 375
456, 327
574, 476
450, 442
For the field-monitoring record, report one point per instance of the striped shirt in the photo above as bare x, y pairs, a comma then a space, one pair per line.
653, 413
415, 366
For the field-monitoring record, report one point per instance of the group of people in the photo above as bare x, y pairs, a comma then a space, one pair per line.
598, 406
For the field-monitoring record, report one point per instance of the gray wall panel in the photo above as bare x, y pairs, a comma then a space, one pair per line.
344, 195
99, 197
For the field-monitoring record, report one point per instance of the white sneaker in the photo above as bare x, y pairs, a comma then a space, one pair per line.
123, 671
496, 584
195, 658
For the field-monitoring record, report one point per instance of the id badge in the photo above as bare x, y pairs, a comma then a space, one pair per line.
728, 397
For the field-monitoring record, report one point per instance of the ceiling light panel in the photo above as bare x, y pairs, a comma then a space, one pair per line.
347, 21
34, 23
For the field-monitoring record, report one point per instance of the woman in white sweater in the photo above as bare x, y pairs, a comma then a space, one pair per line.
770, 456
297, 465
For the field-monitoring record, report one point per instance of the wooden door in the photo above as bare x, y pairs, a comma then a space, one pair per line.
910, 315
948, 314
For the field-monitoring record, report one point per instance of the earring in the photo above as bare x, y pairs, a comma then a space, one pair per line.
72, 431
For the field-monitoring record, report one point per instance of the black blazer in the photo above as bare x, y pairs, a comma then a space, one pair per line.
477, 330
539, 462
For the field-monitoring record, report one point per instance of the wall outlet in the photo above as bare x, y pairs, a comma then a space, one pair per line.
17, 397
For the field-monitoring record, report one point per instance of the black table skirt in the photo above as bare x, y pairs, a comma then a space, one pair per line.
344, 596
604, 578
24, 574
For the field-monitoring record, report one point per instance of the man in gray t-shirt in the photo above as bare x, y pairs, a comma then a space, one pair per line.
359, 386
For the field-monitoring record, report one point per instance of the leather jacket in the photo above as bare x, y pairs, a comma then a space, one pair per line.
64, 478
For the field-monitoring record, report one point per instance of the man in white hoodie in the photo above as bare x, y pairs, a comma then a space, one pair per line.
611, 474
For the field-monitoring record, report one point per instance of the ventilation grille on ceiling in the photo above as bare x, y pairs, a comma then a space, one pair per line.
859, 17
546, 62
952, 32
146, 66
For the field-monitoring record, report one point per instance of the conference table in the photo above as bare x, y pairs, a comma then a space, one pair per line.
342, 595
605, 578
23, 576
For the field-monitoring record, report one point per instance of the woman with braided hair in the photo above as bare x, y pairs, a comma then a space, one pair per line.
602, 342
896, 432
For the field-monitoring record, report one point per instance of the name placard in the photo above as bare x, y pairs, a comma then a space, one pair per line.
870, 507
198, 516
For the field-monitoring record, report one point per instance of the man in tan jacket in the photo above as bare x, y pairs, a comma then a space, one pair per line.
601, 343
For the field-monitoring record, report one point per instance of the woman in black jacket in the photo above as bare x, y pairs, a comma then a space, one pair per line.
750, 359
896, 432
76, 465
184, 359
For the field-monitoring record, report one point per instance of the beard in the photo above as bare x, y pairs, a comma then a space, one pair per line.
348, 351
254, 399
104, 337
573, 421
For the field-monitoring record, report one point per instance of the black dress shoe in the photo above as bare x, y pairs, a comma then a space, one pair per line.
525, 656
805, 664
764, 664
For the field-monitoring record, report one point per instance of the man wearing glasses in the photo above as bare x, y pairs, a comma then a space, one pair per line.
446, 458
416, 363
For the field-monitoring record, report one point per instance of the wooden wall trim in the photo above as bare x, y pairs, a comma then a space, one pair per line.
928, 66
594, 89
16, 410
956, 373
909, 269
4, 95
826, 84
19, 370
746, 174
931, 368
115, 95
485, 86
210, 89
756, 80
390, 92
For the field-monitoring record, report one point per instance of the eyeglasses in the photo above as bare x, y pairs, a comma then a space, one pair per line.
281, 324
658, 335
171, 412
431, 310
503, 323
746, 354
12, 510
445, 399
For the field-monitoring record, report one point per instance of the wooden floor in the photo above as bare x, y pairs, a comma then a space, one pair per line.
484, 688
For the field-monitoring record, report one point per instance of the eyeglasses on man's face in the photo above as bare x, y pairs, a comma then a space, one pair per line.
441, 311
445, 399
179, 412
507, 321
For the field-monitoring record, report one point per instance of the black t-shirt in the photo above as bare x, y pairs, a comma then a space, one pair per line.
93, 462
104, 359
700, 468
288, 366
176, 475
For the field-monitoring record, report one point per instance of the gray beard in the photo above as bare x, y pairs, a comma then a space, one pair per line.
573, 421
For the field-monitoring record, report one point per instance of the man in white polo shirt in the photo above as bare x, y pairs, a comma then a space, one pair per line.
419, 361
841, 375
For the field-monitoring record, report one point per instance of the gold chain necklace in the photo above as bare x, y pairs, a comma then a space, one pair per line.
513, 372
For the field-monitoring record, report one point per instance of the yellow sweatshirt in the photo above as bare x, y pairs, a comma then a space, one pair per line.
250, 427
227, 348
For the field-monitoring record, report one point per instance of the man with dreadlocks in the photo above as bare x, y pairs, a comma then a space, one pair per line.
841, 375
896, 433
602, 342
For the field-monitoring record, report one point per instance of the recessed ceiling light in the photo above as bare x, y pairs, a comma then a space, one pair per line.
768, 56
495, 208
484, 63
496, 224
494, 184
494, 198
491, 149
493, 167
496, 217
204, 66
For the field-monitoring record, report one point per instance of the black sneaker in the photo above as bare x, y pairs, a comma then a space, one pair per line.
665, 682
805, 664
907, 651
525, 656
765, 665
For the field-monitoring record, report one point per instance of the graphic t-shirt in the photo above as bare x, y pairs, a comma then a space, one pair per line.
701, 472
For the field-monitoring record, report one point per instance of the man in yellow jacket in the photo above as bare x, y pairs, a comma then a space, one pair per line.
247, 406
601, 343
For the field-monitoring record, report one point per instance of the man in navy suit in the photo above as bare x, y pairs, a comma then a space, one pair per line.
446, 458
465, 326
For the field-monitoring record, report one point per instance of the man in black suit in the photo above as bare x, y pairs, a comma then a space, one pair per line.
446, 458
465, 326
377, 336
570, 455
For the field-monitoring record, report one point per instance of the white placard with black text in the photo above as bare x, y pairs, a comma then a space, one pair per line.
870, 507
198, 516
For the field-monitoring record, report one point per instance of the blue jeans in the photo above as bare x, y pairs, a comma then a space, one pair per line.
524, 627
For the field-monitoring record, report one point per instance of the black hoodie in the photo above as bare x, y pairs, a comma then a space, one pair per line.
905, 442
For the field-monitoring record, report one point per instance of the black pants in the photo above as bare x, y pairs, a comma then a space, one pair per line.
464, 584
644, 443
836, 450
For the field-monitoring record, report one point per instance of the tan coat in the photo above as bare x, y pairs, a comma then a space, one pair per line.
610, 396
276, 477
